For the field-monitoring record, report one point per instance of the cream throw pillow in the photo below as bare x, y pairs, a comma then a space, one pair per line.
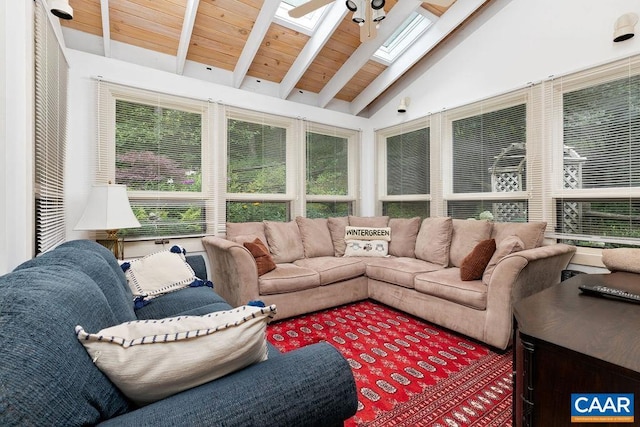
367, 233
367, 248
149, 360
159, 273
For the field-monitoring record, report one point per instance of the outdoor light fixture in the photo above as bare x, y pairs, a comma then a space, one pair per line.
61, 9
623, 28
108, 209
404, 103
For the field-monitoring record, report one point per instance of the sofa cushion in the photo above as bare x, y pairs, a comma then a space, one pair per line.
200, 300
622, 259
446, 284
159, 273
531, 233
368, 221
241, 232
404, 232
288, 278
506, 247
285, 242
434, 240
40, 355
261, 255
467, 233
149, 360
333, 269
316, 238
367, 248
337, 226
399, 271
474, 264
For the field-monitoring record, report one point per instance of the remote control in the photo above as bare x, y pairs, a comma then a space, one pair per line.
605, 291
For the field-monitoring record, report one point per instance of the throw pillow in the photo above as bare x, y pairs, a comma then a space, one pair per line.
262, 256
531, 233
241, 232
285, 242
434, 240
367, 233
367, 248
507, 246
404, 232
474, 264
337, 226
149, 360
159, 273
316, 238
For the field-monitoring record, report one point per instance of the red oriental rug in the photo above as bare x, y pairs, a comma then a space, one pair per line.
408, 372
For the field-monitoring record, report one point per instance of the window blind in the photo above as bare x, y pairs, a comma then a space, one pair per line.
329, 170
50, 115
598, 189
158, 146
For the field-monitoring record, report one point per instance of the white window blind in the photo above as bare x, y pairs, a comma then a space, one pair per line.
51, 74
488, 160
598, 142
158, 146
405, 167
260, 166
329, 165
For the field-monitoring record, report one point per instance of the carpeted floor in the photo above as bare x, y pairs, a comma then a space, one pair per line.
408, 372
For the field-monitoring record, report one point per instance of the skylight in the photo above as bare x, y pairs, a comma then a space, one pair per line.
403, 37
306, 24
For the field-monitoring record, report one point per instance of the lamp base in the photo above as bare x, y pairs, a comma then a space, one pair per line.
114, 244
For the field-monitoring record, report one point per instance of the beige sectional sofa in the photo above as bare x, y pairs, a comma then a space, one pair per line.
420, 275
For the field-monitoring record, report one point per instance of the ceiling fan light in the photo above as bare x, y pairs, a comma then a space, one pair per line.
377, 4
351, 5
61, 9
378, 15
358, 16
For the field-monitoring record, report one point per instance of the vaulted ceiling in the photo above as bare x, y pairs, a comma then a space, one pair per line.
245, 43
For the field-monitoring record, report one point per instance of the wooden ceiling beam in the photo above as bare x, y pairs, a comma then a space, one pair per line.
258, 32
106, 28
330, 21
394, 18
185, 36
455, 16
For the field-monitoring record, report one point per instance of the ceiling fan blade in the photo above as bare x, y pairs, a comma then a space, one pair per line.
308, 7
441, 3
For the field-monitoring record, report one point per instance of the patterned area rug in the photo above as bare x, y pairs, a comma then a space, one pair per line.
408, 372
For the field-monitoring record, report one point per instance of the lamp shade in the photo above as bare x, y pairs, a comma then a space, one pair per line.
108, 208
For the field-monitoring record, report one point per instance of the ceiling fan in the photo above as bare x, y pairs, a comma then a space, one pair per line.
367, 17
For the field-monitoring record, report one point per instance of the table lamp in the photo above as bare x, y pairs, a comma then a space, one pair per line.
108, 209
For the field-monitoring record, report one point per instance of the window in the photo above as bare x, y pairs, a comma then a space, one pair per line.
259, 170
330, 153
154, 144
489, 161
405, 170
598, 194
51, 73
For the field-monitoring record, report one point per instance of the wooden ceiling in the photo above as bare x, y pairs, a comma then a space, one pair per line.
246, 42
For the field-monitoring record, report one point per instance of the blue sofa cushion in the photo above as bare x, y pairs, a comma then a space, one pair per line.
46, 375
97, 267
193, 301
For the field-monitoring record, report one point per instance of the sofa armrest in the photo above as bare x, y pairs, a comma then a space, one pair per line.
519, 275
310, 386
233, 270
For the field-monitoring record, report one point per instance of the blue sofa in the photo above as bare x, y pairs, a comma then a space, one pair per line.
47, 377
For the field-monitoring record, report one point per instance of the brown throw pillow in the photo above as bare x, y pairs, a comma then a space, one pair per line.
262, 256
473, 265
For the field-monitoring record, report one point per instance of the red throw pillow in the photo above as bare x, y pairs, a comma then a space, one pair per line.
261, 255
476, 261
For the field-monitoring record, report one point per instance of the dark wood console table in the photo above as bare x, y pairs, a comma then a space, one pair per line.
566, 342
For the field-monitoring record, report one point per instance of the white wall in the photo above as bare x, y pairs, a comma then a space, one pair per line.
521, 41
82, 137
16, 133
